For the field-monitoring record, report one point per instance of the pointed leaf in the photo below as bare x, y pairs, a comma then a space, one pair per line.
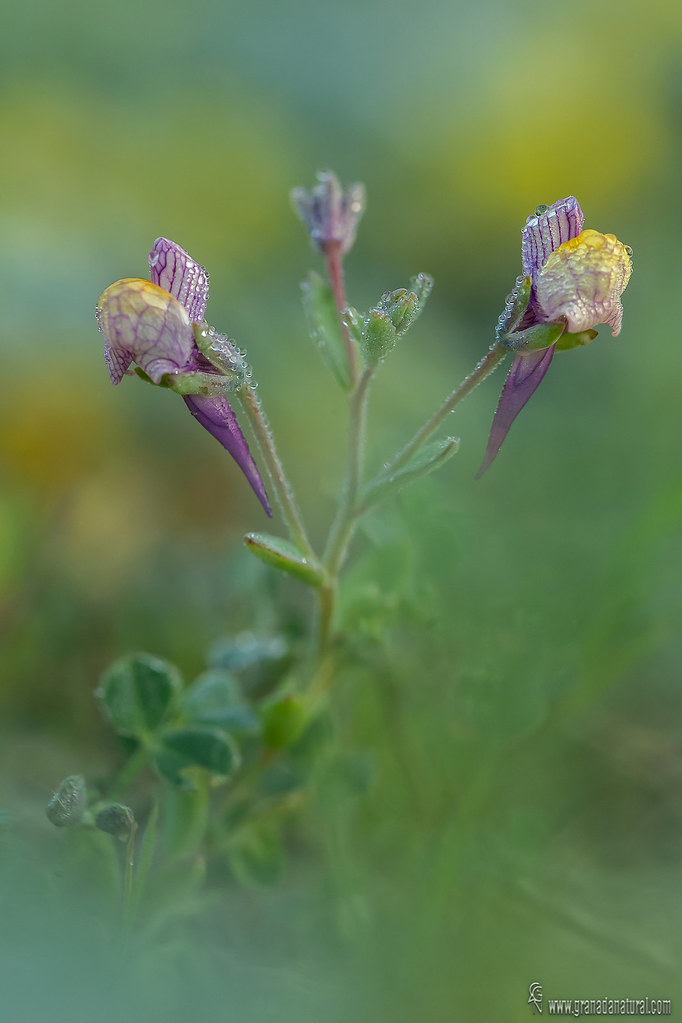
325, 329
431, 457
285, 556
525, 376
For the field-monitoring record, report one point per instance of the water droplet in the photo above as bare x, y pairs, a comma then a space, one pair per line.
628, 249
542, 208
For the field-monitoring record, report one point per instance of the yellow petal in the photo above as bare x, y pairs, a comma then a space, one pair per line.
583, 279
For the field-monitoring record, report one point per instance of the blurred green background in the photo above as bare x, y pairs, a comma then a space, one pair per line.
523, 822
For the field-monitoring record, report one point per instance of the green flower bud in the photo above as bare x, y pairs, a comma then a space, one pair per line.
116, 819
396, 311
283, 722
378, 336
66, 808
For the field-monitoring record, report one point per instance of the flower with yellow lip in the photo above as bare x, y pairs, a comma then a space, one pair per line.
159, 326
572, 281
582, 282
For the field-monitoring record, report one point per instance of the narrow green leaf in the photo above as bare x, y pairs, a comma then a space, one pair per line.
138, 692
324, 326
285, 556
431, 457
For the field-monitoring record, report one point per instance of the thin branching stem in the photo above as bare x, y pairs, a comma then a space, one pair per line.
280, 482
484, 368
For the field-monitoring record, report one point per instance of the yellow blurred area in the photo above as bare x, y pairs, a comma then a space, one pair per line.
583, 128
106, 167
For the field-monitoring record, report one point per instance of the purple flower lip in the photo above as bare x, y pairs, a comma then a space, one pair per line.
151, 324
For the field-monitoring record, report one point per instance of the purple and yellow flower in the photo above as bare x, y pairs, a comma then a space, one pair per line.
159, 326
572, 281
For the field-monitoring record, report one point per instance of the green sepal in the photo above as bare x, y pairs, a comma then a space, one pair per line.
67, 806
534, 339
394, 314
138, 693
567, 342
285, 556
199, 747
521, 298
354, 321
431, 457
379, 336
324, 327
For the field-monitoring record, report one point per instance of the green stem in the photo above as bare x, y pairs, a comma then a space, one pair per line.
128, 773
482, 370
334, 258
344, 524
283, 489
128, 875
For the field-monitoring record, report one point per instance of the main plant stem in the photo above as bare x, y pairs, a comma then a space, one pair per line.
343, 527
283, 489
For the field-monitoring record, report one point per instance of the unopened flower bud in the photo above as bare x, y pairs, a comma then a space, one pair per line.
394, 314
379, 336
330, 213
116, 819
67, 805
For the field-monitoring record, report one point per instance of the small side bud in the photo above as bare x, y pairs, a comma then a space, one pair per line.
117, 820
394, 314
67, 806
379, 336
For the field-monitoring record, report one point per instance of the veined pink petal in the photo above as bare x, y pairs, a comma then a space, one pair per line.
144, 324
175, 271
546, 231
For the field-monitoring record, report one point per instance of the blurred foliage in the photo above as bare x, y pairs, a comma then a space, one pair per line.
498, 797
